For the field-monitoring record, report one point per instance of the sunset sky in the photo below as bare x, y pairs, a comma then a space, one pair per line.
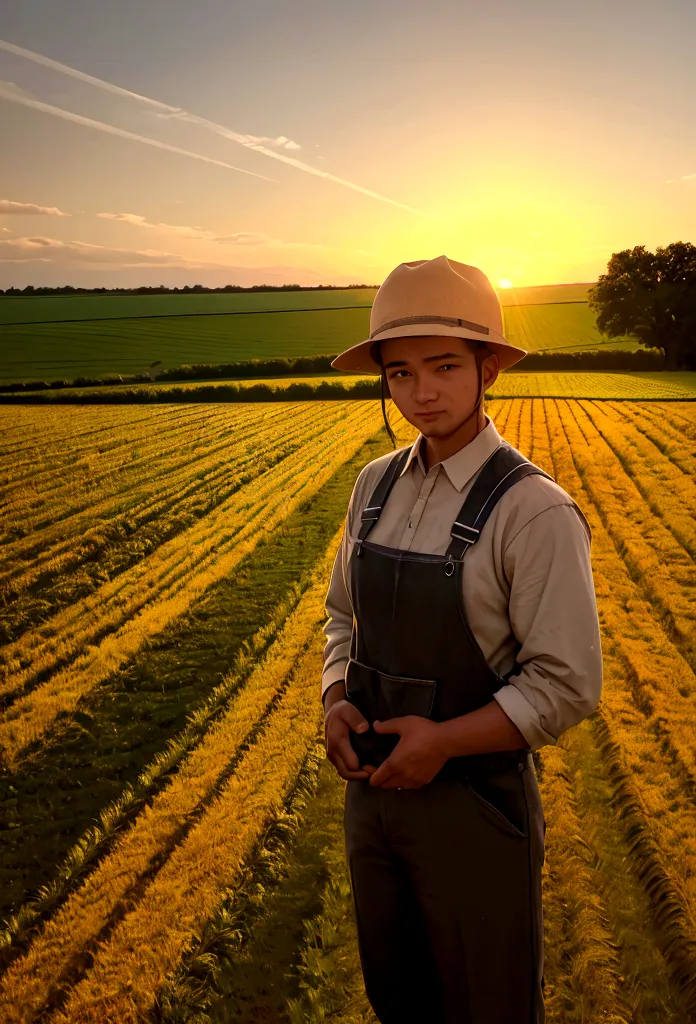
167, 141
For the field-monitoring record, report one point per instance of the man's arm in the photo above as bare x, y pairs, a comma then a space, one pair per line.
341, 717
339, 624
553, 614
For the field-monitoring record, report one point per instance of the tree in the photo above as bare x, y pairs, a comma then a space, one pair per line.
651, 296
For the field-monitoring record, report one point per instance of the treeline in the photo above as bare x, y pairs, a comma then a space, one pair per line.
195, 289
302, 366
295, 392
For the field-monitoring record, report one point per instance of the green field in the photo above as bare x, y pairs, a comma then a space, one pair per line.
48, 308
71, 336
557, 326
25, 309
98, 347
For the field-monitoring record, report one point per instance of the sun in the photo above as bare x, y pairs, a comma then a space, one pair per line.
504, 283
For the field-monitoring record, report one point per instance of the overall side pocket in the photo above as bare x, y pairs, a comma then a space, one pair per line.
502, 801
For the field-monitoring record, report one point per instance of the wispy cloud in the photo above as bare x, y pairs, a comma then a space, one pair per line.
7, 206
282, 141
53, 250
26, 100
177, 113
249, 238
684, 177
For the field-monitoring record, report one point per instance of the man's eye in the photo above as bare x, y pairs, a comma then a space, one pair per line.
398, 372
447, 366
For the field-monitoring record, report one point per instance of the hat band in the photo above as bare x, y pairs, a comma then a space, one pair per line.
451, 321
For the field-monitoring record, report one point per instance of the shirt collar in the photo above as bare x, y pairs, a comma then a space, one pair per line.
461, 466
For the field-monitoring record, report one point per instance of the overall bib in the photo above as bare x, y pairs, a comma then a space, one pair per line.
446, 879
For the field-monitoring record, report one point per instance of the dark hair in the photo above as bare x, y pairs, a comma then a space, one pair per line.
479, 348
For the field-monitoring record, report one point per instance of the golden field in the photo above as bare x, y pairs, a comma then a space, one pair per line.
171, 844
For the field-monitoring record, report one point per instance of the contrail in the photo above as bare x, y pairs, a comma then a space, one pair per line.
182, 115
110, 129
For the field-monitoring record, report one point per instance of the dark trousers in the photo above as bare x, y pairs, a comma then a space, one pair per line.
446, 885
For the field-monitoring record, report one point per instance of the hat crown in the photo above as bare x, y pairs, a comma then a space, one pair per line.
440, 287
432, 297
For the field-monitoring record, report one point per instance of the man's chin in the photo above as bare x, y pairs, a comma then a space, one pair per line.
435, 428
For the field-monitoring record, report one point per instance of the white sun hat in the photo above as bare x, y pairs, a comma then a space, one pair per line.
428, 297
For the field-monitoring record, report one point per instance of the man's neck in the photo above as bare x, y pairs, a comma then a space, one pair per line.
437, 449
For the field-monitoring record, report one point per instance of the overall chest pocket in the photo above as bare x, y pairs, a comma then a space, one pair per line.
378, 695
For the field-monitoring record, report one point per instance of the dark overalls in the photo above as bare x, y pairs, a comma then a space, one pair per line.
446, 879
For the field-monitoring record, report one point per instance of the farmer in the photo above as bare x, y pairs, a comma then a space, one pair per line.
462, 635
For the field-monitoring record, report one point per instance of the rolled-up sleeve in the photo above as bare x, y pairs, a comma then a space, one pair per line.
339, 624
553, 614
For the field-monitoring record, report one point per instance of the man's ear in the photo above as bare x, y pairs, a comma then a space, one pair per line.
490, 368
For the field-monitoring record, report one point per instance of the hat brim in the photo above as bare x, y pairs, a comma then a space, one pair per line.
357, 359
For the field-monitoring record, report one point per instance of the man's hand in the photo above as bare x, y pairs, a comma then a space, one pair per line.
417, 757
342, 717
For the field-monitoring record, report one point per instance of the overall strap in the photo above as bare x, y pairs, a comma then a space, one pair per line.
505, 467
380, 494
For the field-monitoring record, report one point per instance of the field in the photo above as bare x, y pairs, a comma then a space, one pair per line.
171, 846
645, 386
557, 326
69, 336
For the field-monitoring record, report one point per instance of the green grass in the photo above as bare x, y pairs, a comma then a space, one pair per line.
98, 347
66, 337
46, 308
557, 326
543, 293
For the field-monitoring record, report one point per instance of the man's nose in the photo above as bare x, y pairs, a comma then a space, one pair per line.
425, 389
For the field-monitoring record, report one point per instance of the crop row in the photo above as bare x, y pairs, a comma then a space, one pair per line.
129, 525
647, 685
84, 643
663, 806
96, 839
166, 872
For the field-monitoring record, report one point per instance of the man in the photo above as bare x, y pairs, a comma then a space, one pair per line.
462, 635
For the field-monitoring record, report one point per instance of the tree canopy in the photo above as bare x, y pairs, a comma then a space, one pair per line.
651, 296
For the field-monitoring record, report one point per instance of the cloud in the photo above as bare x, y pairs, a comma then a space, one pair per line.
14, 89
282, 142
26, 100
40, 249
251, 238
177, 113
138, 221
7, 230
52, 250
7, 206
684, 177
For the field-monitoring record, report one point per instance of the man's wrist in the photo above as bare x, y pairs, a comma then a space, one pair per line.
333, 693
486, 730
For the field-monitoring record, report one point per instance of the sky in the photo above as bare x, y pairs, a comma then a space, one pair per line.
172, 142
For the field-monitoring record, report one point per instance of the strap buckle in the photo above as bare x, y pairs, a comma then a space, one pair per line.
464, 533
374, 510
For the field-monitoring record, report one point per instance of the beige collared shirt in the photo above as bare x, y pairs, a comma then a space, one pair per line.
527, 583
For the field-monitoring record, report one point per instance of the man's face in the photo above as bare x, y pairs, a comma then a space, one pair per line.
433, 380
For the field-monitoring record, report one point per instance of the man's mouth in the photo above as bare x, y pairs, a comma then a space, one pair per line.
430, 414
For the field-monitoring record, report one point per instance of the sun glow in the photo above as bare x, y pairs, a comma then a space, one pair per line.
504, 283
